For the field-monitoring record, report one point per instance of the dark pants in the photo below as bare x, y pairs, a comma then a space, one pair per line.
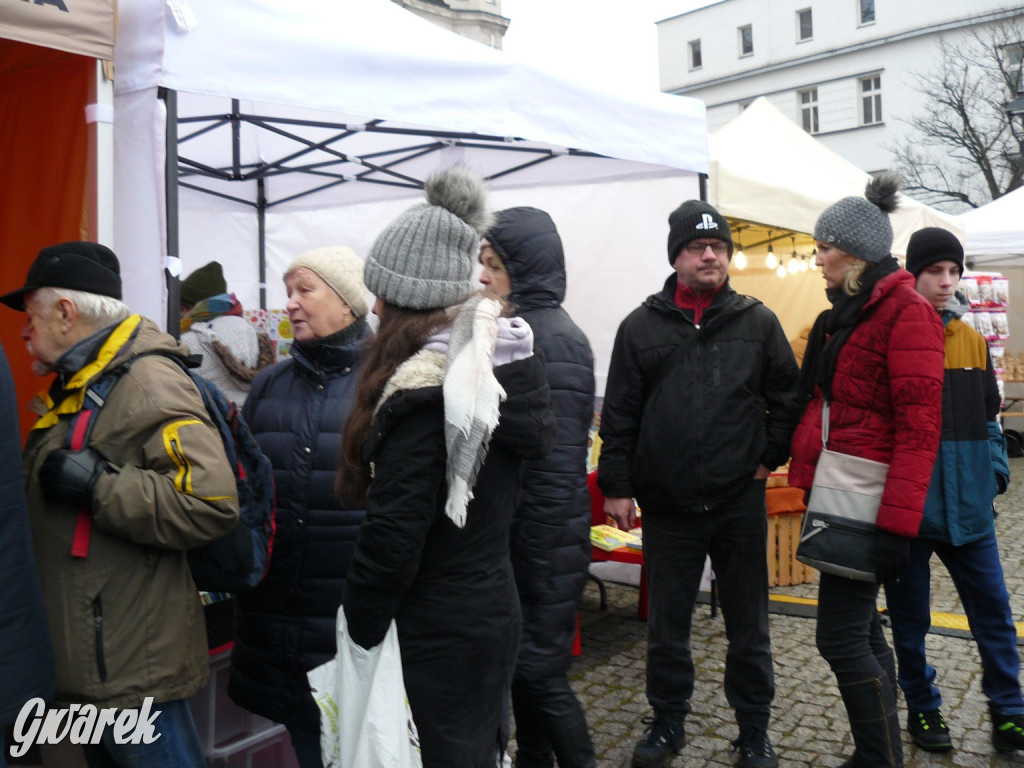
550, 724
675, 547
978, 576
177, 747
849, 632
306, 743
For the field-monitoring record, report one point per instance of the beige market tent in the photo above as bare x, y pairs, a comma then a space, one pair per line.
772, 180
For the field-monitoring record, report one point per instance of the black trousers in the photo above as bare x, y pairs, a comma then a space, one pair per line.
675, 547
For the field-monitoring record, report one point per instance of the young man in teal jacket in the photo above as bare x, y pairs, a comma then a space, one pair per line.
958, 524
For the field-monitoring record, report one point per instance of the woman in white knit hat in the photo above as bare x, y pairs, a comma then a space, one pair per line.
450, 402
297, 409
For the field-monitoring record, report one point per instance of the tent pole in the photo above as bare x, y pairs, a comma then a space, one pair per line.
703, 179
261, 221
170, 98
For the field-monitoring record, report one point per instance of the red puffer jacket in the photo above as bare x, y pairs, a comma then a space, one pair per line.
886, 401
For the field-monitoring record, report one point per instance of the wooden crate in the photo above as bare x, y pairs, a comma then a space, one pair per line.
783, 535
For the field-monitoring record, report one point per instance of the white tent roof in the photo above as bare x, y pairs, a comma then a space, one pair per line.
995, 232
384, 98
767, 170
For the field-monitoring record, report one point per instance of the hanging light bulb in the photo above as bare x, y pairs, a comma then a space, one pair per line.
770, 261
740, 260
781, 270
793, 267
813, 266
803, 263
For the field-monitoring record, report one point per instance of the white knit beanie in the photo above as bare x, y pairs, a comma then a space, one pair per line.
425, 258
340, 268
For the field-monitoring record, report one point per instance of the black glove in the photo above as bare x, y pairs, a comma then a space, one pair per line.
69, 476
892, 555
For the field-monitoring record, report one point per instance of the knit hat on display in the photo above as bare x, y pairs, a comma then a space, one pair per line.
930, 245
861, 226
340, 268
425, 258
692, 220
205, 282
78, 266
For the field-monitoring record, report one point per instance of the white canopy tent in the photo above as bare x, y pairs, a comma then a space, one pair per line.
772, 180
994, 233
768, 173
300, 125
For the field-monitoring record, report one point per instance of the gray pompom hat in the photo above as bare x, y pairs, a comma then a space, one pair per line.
860, 225
425, 258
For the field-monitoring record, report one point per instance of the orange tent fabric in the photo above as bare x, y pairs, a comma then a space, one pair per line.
44, 150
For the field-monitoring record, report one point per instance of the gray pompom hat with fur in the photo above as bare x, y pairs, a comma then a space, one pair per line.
860, 225
425, 258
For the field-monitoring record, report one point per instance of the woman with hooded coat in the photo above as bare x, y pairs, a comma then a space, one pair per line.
450, 402
523, 262
877, 358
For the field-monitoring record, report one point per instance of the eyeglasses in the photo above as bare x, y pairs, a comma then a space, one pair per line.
697, 248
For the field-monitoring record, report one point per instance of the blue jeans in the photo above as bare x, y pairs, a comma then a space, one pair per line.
177, 747
978, 577
675, 547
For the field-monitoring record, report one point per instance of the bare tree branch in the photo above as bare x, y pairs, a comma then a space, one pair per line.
962, 148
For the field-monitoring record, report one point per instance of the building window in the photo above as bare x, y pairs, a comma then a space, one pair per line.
871, 100
867, 11
746, 34
695, 60
1012, 55
804, 25
809, 109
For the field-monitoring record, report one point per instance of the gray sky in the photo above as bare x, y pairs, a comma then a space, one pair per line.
610, 41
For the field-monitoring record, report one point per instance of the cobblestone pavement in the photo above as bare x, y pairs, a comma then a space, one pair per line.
808, 725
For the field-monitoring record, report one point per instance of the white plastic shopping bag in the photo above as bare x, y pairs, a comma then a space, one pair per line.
365, 720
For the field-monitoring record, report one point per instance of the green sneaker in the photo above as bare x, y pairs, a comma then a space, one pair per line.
929, 731
1007, 732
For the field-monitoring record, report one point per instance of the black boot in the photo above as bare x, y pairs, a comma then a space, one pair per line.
874, 723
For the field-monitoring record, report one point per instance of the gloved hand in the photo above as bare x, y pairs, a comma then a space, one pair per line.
892, 555
70, 476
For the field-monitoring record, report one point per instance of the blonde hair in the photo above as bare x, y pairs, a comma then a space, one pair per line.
851, 280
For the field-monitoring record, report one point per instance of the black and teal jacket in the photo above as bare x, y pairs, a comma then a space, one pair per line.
971, 466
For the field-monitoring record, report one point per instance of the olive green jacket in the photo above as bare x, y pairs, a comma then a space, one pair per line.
126, 619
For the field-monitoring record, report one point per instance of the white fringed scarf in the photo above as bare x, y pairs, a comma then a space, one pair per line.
472, 396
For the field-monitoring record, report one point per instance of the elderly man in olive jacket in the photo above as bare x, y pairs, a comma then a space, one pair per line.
111, 521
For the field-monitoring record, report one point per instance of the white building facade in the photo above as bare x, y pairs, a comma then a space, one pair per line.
479, 20
843, 69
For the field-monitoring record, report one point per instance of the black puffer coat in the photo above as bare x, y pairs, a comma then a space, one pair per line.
450, 590
550, 537
26, 663
286, 626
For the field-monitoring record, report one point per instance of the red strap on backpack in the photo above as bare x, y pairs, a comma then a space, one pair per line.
83, 526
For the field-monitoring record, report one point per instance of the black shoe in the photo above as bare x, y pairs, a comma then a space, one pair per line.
755, 748
663, 738
1007, 732
929, 731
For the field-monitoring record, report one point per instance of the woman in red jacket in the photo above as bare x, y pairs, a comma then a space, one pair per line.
877, 357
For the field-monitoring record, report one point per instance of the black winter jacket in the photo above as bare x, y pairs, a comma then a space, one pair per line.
26, 663
550, 537
684, 431
450, 590
286, 625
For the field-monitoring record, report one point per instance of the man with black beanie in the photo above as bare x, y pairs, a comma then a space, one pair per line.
700, 405
958, 523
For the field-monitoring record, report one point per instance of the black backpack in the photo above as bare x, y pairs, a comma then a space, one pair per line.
238, 560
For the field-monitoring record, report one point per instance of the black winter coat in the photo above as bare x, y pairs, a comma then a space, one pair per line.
550, 537
684, 431
286, 625
450, 590
26, 656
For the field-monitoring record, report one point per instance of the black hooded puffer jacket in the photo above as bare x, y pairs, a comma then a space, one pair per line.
550, 539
